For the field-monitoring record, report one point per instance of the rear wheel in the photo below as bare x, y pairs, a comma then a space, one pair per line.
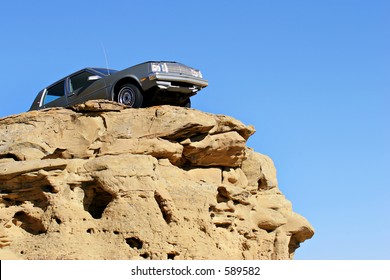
130, 95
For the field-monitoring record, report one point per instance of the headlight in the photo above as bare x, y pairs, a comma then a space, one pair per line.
159, 67
156, 67
196, 73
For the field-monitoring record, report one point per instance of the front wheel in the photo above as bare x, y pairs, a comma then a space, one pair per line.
187, 103
130, 95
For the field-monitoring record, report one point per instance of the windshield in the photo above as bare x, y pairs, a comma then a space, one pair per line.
105, 71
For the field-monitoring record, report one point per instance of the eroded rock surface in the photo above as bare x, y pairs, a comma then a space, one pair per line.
99, 181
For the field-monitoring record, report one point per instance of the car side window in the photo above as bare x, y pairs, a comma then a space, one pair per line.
79, 82
54, 92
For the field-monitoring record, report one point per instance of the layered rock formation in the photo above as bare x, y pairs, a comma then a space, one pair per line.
99, 181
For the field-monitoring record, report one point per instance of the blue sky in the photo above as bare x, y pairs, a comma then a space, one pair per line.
311, 76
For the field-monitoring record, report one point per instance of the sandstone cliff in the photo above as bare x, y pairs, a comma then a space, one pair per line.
100, 181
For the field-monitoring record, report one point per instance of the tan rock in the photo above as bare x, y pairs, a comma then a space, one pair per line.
298, 227
226, 124
100, 181
268, 219
156, 147
259, 170
272, 200
209, 175
158, 122
234, 176
226, 149
7, 254
235, 194
12, 169
99, 106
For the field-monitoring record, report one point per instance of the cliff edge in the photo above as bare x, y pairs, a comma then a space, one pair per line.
99, 181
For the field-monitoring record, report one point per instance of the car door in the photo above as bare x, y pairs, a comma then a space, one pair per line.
84, 86
54, 96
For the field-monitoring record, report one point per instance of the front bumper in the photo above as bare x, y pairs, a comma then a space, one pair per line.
177, 82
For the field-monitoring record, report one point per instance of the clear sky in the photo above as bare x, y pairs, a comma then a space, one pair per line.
311, 76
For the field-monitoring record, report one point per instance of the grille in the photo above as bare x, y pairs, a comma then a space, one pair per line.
179, 68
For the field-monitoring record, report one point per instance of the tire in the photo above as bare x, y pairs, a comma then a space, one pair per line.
130, 95
187, 103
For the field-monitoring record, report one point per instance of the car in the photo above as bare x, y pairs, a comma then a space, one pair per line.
145, 84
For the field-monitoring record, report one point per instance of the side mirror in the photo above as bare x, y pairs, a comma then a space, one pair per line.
94, 78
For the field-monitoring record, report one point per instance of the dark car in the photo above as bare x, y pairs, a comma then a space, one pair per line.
146, 84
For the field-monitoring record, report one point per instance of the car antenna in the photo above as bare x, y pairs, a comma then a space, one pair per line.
105, 56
